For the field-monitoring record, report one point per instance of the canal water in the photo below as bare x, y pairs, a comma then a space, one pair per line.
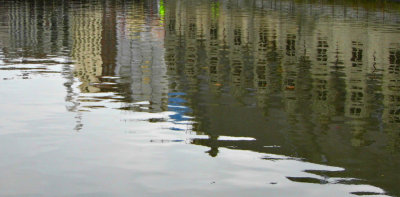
199, 98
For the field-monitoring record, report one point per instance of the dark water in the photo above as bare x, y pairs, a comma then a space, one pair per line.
199, 98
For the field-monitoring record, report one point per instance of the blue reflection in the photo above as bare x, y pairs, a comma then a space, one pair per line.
175, 104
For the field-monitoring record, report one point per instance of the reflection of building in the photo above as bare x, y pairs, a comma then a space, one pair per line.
310, 76
356, 103
108, 42
36, 29
277, 52
140, 57
93, 38
171, 42
86, 31
191, 56
391, 100
3, 27
261, 68
215, 69
323, 94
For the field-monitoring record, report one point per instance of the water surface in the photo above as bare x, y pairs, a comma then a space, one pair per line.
199, 98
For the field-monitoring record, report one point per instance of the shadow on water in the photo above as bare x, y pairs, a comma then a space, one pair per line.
315, 81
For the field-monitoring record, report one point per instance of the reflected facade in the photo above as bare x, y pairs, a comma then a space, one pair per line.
318, 81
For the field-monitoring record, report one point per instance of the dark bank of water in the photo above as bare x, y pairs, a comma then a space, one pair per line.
196, 98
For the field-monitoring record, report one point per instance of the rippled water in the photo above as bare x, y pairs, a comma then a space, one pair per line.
199, 98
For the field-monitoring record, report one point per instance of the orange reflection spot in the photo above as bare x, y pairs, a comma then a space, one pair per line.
290, 87
146, 80
218, 84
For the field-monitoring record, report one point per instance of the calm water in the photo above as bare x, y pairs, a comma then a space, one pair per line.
199, 98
